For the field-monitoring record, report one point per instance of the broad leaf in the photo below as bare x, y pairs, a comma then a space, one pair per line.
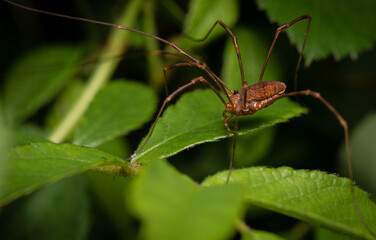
58, 211
203, 14
261, 142
316, 197
341, 28
172, 206
117, 109
108, 194
6, 140
36, 78
32, 166
363, 139
324, 234
197, 118
118, 147
64, 103
253, 49
20, 138
154, 63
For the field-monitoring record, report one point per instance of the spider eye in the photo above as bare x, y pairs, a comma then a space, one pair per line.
236, 92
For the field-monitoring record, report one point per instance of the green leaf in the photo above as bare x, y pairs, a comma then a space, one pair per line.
36, 78
6, 141
261, 142
253, 49
197, 118
363, 139
202, 14
324, 234
117, 146
117, 109
64, 103
341, 28
154, 63
172, 206
108, 192
316, 197
57, 211
174, 11
101, 74
20, 138
32, 166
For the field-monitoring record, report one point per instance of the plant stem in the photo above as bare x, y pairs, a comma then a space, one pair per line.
242, 226
115, 46
154, 62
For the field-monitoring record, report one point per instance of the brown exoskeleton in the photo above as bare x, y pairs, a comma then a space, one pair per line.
246, 101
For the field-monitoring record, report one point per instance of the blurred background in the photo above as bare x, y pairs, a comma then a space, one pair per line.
313, 141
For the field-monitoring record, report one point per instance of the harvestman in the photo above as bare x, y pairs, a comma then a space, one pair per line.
246, 101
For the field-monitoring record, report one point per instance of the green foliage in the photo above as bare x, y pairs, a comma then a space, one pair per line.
203, 14
116, 110
323, 234
70, 220
341, 28
31, 166
204, 125
109, 194
174, 207
254, 49
363, 138
35, 79
64, 103
316, 197
57, 110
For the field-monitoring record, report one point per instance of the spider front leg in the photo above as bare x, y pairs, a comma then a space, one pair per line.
226, 123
